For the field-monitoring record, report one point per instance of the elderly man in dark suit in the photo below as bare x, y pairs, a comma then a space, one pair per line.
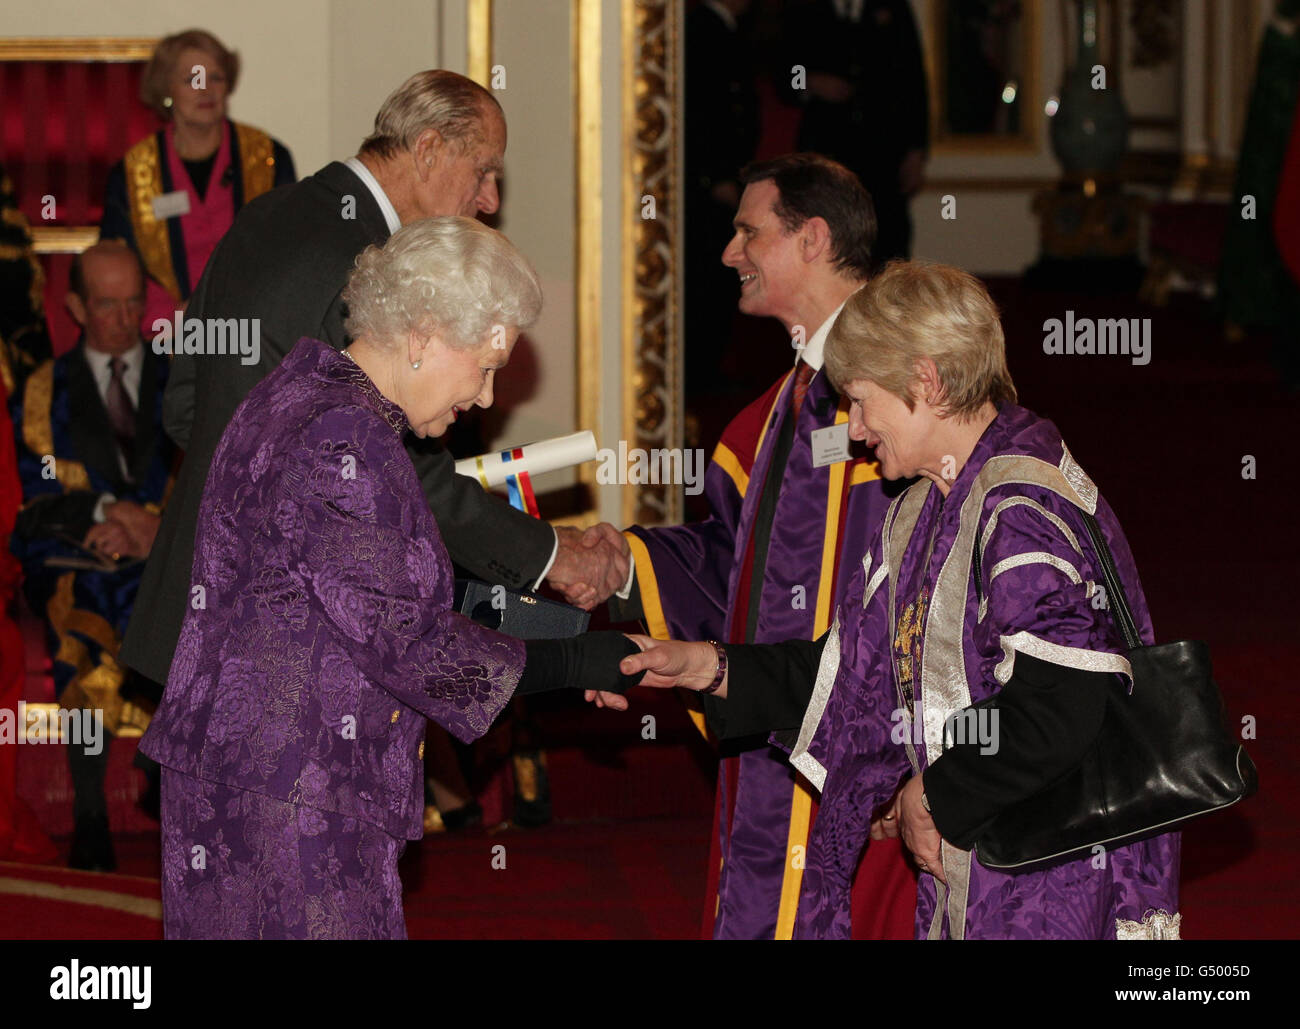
437, 149
95, 468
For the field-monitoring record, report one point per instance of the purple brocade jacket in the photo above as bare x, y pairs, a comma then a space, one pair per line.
320, 633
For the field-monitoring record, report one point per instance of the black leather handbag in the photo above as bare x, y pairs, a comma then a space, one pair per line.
1163, 755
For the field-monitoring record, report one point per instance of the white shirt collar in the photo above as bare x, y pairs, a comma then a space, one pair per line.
722, 12
377, 191
98, 361
812, 351
133, 360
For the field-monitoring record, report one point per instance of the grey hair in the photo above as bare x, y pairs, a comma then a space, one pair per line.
437, 99
448, 276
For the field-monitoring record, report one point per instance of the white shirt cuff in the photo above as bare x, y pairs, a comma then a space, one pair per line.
626, 591
104, 500
555, 551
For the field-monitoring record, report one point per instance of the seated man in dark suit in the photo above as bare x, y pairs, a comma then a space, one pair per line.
95, 469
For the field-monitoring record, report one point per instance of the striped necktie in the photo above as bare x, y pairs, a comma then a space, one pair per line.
121, 412
803, 374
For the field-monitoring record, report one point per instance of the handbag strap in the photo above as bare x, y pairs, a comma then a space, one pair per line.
1116, 598
1115, 594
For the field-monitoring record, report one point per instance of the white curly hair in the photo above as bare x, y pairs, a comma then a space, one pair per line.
448, 276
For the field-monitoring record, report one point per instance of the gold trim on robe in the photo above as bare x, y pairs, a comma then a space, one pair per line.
38, 433
7, 380
257, 155
143, 166
93, 685
144, 182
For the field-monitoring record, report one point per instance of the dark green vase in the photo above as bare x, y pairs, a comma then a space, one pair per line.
1090, 129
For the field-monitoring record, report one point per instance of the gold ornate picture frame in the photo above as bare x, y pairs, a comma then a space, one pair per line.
649, 404
1027, 138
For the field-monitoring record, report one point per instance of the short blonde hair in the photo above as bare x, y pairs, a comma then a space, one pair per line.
437, 99
448, 276
156, 82
914, 310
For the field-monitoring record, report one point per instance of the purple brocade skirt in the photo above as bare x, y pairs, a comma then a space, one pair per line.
240, 865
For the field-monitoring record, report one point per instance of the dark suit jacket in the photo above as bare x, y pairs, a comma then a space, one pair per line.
880, 55
285, 262
722, 114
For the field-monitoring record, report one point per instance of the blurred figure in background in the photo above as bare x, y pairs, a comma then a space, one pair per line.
24, 339
865, 102
175, 193
21, 836
722, 128
23, 344
1256, 289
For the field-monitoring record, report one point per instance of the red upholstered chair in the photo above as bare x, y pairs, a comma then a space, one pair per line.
1186, 239
69, 108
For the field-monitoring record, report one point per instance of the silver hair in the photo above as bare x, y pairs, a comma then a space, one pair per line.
437, 99
447, 276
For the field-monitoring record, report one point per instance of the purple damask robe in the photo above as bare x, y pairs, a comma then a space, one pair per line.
320, 636
1020, 499
694, 581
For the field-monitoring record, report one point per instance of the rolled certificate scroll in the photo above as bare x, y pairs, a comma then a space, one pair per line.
548, 455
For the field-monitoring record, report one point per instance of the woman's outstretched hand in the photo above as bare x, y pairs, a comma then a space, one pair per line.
666, 663
670, 663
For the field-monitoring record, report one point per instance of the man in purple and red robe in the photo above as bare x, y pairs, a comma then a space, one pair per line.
793, 510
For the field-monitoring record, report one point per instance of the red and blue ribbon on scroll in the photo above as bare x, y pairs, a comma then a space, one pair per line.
520, 487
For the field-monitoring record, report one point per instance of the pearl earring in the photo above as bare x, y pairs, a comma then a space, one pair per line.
167, 101
416, 365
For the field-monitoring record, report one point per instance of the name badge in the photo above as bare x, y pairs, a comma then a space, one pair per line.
171, 205
830, 445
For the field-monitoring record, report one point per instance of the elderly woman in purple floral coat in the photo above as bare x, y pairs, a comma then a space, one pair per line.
321, 635
920, 354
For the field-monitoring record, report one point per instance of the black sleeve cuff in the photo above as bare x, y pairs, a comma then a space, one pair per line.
1047, 716
586, 662
768, 687
72, 513
630, 610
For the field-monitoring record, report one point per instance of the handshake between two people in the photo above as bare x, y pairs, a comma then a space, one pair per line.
590, 566
658, 663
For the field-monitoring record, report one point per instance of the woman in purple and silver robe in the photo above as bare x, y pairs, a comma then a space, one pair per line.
920, 354
320, 634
